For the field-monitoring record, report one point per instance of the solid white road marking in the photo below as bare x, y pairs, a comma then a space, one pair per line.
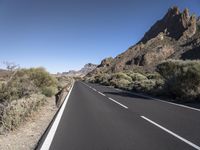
118, 102
102, 94
47, 143
94, 89
172, 133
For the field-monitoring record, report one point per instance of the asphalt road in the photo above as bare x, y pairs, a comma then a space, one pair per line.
96, 117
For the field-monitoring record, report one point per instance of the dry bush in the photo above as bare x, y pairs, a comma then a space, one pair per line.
182, 79
105, 79
16, 111
144, 85
121, 75
120, 80
137, 76
26, 82
63, 81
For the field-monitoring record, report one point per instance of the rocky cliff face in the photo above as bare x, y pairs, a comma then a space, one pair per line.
174, 24
175, 36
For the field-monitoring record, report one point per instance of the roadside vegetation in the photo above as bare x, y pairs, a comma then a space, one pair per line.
182, 79
26, 82
175, 79
131, 80
23, 91
198, 27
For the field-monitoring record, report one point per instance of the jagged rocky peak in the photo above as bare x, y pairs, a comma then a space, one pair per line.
175, 24
106, 62
82, 72
175, 36
87, 68
90, 66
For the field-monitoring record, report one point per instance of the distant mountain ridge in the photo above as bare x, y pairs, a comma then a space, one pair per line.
175, 36
82, 72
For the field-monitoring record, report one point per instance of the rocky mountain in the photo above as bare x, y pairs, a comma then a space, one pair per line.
198, 20
82, 72
175, 36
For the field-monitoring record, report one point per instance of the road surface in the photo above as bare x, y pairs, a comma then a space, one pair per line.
96, 117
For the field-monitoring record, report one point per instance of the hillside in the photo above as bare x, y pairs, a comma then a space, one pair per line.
175, 36
82, 72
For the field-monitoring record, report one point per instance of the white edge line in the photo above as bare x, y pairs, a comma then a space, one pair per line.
118, 102
47, 143
102, 94
94, 89
172, 133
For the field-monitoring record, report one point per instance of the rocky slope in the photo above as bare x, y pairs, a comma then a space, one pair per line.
175, 36
82, 72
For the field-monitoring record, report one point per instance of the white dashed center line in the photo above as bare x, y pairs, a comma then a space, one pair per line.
122, 105
102, 94
117, 102
172, 133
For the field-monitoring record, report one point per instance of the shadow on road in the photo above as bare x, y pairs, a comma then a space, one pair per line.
129, 95
125, 94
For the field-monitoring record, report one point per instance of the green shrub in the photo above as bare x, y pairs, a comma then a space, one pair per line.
120, 83
137, 77
130, 80
144, 85
155, 76
105, 79
182, 78
121, 75
41, 77
17, 88
120, 80
49, 91
26, 82
91, 79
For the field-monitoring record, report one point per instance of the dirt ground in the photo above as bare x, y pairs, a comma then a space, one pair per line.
27, 135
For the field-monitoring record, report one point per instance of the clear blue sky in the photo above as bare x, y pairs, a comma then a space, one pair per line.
65, 34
